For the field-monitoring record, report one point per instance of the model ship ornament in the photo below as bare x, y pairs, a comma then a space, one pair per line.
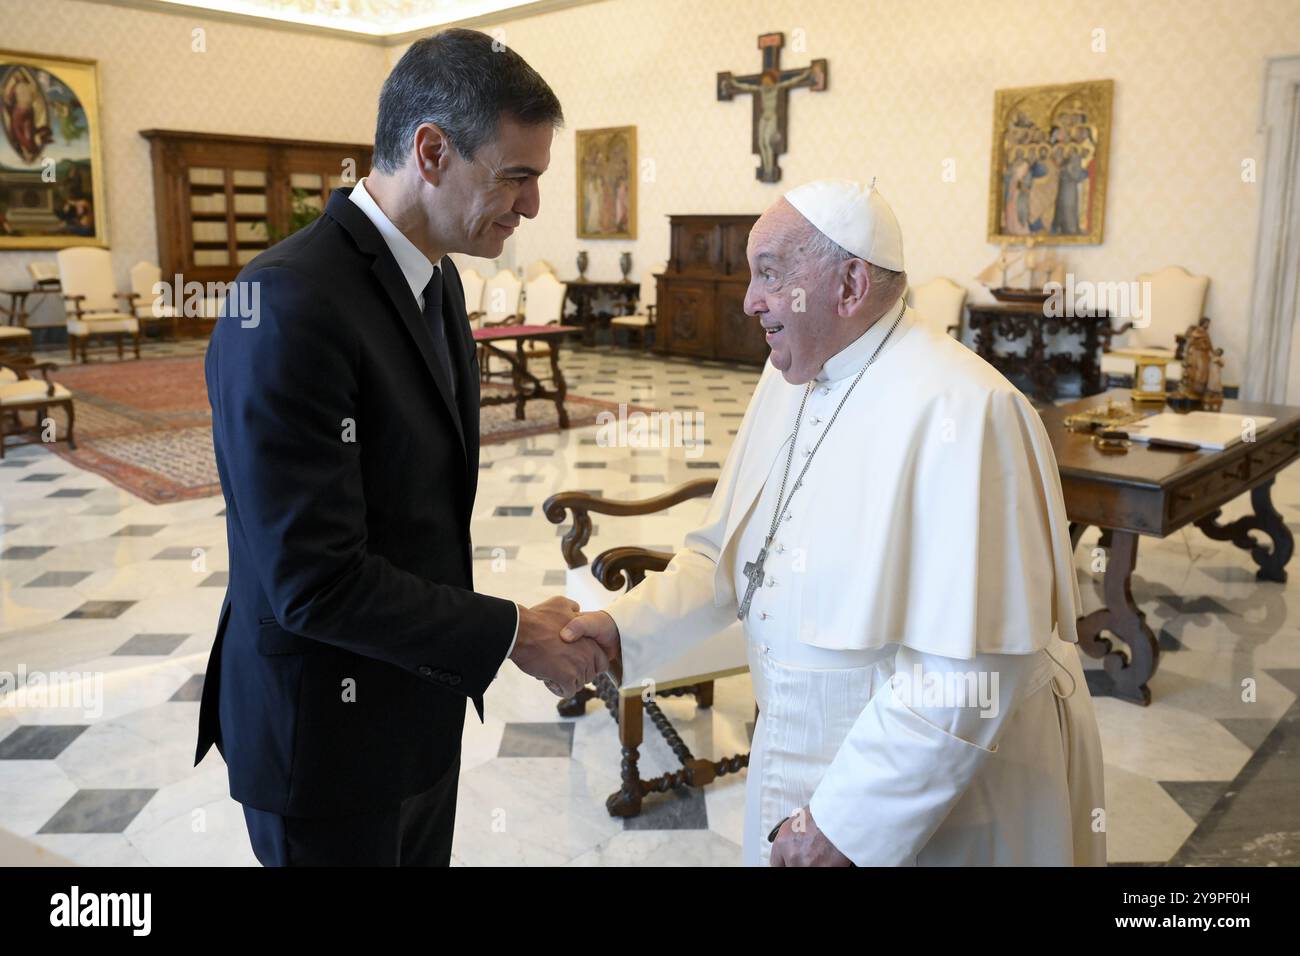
1037, 267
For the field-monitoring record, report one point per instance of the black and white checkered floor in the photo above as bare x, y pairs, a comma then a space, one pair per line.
96, 583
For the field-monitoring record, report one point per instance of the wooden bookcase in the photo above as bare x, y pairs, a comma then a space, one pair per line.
220, 200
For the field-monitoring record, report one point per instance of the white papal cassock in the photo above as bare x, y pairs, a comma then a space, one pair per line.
930, 530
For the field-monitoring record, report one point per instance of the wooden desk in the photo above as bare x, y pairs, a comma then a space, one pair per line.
1155, 493
1010, 321
582, 292
519, 334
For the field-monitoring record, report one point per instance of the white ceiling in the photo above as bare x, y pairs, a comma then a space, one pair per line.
376, 19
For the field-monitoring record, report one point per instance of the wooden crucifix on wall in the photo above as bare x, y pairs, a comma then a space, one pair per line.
770, 90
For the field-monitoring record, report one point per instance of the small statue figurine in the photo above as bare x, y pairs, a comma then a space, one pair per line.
1202, 364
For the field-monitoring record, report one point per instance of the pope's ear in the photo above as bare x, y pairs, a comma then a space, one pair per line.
855, 286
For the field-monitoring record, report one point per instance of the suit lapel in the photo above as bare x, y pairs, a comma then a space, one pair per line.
394, 284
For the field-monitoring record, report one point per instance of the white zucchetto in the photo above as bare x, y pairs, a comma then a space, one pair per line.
853, 215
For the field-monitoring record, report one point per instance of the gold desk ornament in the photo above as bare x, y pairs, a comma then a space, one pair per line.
1111, 415
1150, 375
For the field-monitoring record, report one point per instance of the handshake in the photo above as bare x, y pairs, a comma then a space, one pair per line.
564, 648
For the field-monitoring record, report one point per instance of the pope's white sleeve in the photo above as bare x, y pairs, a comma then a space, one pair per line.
665, 615
907, 760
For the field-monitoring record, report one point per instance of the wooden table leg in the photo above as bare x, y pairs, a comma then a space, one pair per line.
1125, 620
626, 802
517, 379
557, 381
1272, 563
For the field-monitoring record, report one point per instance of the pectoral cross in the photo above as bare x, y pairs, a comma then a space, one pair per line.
753, 571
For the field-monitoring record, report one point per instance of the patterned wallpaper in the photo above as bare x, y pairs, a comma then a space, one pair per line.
911, 86
251, 80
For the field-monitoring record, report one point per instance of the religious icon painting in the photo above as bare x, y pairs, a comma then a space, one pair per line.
51, 160
606, 162
1048, 172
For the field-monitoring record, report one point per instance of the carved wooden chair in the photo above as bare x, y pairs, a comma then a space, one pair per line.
473, 282
144, 305
20, 392
642, 321
720, 656
86, 276
500, 307
1177, 302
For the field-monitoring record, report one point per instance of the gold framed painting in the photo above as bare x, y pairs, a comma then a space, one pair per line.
51, 153
606, 162
1048, 172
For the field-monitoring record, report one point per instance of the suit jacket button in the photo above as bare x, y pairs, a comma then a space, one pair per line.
455, 679
425, 670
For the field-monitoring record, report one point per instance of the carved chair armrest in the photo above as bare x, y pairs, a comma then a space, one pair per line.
508, 320
624, 568
583, 505
74, 301
23, 365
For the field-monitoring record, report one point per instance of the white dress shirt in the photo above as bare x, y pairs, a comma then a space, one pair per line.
416, 269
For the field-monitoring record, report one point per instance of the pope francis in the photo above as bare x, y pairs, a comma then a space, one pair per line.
890, 528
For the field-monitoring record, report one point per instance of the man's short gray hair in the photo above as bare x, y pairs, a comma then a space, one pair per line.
886, 284
463, 81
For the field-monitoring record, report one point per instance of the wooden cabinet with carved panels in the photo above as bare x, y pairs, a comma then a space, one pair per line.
221, 200
701, 295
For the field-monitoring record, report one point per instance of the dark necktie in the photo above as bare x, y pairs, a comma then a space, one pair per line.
433, 315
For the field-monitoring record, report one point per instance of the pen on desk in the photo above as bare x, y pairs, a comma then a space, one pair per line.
1157, 444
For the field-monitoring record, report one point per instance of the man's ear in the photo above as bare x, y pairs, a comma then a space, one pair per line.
855, 286
432, 152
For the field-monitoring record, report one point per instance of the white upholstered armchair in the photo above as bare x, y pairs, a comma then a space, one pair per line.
1177, 300
91, 305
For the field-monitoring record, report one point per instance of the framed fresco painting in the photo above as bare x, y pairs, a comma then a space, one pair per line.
1048, 172
606, 163
51, 154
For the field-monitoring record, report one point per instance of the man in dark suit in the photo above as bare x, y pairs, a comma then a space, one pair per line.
344, 391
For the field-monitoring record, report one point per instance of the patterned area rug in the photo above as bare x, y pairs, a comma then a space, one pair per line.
146, 425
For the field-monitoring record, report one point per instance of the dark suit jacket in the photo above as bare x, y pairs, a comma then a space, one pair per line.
351, 635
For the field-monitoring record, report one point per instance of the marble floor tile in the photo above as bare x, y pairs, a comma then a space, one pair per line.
125, 596
97, 811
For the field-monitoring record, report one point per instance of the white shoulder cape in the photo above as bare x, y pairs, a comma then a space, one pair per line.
937, 518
